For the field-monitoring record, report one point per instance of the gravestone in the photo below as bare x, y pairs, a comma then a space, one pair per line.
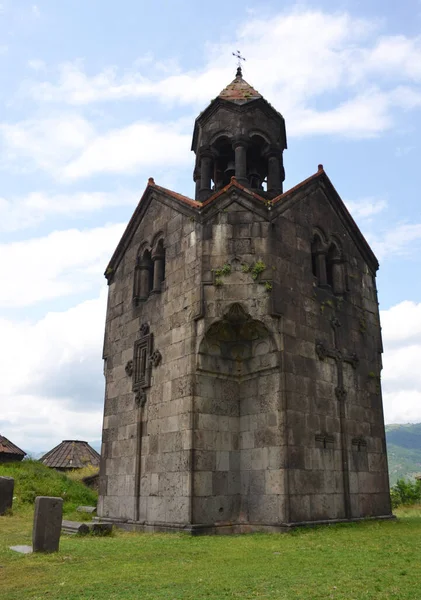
7, 485
47, 524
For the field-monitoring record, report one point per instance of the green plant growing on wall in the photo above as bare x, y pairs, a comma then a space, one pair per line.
221, 272
245, 268
258, 268
268, 286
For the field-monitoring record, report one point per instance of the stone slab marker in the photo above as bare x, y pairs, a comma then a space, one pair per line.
7, 485
47, 524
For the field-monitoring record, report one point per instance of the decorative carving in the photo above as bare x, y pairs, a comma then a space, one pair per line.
335, 322
321, 350
140, 398
360, 443
340, 393
326, 440
155, 358
129, 368
144, 329
236, 313
354, 360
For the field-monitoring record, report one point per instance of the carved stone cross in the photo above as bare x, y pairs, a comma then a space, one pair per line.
323, 351
144, 358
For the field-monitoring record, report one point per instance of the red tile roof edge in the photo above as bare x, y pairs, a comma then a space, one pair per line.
176, 195
319, 172
233, 183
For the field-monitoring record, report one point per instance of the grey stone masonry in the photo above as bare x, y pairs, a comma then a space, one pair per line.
7, 485
242, 348
47, 524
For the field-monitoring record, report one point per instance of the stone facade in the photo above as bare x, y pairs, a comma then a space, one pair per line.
242, 346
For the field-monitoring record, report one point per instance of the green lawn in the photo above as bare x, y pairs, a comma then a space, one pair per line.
368, 560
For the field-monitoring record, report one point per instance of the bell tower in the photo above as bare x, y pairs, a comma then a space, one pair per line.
239, 135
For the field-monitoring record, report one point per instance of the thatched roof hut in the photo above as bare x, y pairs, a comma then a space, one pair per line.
71, 454
9, 452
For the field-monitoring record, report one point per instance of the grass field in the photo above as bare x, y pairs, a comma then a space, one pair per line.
367, 560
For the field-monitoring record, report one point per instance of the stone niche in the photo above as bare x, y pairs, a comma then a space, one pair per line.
238, 474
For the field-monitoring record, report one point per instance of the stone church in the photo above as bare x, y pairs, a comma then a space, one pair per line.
242, 345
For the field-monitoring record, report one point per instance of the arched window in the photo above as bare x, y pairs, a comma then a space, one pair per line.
224, 163
257, 162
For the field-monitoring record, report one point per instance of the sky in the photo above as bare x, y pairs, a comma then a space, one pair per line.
96, 96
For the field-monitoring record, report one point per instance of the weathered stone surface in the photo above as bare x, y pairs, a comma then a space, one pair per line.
75, 527
47, 524
7, 485
242, 346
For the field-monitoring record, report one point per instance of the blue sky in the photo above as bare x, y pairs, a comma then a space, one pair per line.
97, 96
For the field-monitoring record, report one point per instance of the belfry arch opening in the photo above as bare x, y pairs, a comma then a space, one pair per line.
257, 163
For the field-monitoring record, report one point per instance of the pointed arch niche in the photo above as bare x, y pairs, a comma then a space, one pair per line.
238, 437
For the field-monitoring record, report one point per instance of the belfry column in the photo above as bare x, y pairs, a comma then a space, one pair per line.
206, 159
240, 149
274, 170
196, 179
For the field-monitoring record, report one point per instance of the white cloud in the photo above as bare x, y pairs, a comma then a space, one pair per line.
289, 64
69, 147
61, 264
57, 388
18, 213
36, 64
46, 143
401, 327
363, 116
366, 208
128, 149
403, 239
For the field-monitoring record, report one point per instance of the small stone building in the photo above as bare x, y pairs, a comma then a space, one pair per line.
71, 454
242, 345
9, 452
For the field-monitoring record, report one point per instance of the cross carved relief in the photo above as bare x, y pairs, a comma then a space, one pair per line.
140, 367
323, 351
338, 356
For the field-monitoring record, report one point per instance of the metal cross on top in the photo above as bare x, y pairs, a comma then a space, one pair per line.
239, 59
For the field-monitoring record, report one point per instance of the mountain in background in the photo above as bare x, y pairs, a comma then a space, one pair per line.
403, 450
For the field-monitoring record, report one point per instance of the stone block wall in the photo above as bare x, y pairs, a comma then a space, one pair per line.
351, 461
243, 422
151, 481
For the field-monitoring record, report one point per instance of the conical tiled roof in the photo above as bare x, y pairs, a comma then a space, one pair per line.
7, 447
71, 454
239, 91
